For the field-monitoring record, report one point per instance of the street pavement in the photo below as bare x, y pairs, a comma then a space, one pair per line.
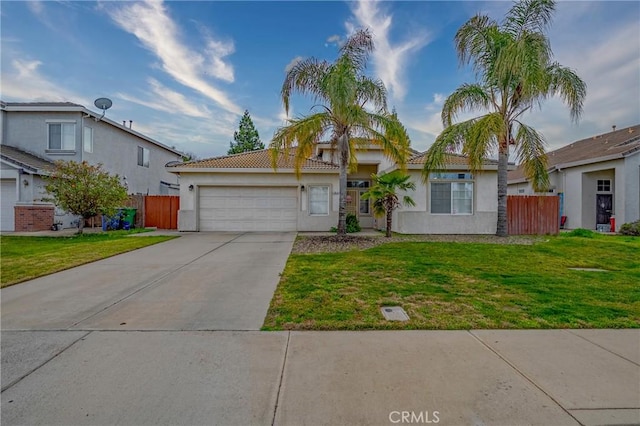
169, 335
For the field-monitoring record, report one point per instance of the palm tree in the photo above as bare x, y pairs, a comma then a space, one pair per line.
384, 194
515, 71
353, 113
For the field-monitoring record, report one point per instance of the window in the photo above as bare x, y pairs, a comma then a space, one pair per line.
143, 157
87, 139
319, 200
604, 185
451, 197
62, 136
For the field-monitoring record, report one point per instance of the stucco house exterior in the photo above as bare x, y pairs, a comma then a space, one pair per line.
34, 135
243, 192
596, 178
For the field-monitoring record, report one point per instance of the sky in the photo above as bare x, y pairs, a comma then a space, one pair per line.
184, 72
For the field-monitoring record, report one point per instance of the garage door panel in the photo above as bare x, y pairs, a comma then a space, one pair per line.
248, 208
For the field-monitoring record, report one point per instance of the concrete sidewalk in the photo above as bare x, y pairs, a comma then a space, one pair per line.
545, 377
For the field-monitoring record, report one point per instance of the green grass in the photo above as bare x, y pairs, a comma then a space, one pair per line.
25, 258
464, 286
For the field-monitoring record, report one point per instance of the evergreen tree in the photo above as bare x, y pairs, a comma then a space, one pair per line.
246, 138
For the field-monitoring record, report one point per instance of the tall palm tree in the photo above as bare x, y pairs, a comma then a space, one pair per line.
353, 113
384, 193
515, 71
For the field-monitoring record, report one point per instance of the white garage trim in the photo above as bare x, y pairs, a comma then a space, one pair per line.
248, 208
9, 196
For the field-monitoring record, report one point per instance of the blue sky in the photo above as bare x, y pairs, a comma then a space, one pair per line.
185, 71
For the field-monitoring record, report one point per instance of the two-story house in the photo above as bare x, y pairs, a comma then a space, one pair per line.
35, 135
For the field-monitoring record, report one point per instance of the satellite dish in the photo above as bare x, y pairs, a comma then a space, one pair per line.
104, 104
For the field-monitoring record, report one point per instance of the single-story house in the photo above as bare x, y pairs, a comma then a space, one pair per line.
243, 192
596, 178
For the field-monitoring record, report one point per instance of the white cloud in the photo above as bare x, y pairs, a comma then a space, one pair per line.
24, 83
150, 22
389, 60
167, 100
293, 63
334, 40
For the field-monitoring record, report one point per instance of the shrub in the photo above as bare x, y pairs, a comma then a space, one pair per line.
352, 224
632, 228
581, 232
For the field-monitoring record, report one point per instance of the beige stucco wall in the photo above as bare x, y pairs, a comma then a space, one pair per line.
187, 215
418, 220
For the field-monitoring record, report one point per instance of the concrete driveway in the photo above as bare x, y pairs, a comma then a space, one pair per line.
200, 281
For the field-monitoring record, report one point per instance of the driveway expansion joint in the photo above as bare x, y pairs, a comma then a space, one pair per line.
523, 374
284, 364
602, 347
19, 379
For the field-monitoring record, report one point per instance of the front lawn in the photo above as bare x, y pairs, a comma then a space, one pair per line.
25, 258
449, 285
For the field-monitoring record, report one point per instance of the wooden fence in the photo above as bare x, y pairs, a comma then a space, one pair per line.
532, 215
161, 211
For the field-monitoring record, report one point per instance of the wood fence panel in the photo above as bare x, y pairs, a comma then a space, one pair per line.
136, 201
161, 211
533, 214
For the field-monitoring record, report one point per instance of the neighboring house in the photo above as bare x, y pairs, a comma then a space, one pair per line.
242, 192
34, 135
596, 178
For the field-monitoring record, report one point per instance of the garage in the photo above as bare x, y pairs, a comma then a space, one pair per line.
9, 198
229, 208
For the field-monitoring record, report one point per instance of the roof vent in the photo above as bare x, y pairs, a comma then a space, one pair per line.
613, 128
631, 130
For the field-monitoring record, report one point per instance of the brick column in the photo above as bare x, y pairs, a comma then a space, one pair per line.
30, 218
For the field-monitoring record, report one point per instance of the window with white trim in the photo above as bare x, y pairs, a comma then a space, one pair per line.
62, 136
319, 200
143, 157
87, 139
451, 193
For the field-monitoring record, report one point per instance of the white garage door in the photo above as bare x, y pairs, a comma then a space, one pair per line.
248, 209
9, 198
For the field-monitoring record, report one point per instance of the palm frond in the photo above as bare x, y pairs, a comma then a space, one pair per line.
483, 136
529, 15
467, 97
530, 152
303, 133
358, 47
472, 39
305, 77
451, 140
569, 86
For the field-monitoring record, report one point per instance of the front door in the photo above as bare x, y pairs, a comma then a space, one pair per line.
604, 204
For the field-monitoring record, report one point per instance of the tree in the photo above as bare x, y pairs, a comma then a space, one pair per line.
246, 138
85, 190
347, 96
384, 195
515, 71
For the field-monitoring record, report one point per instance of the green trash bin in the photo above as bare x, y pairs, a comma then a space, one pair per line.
128, 217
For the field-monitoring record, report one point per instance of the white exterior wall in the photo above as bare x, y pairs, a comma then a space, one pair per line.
579, 187
631, 189
188, 213
418, 220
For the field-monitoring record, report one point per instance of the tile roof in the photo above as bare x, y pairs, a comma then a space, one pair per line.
41, 104
452, 160
24, 159
256, 160
613, 144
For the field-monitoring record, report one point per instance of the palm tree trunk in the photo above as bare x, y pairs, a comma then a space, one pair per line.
503, 163
389, 219
343, 152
